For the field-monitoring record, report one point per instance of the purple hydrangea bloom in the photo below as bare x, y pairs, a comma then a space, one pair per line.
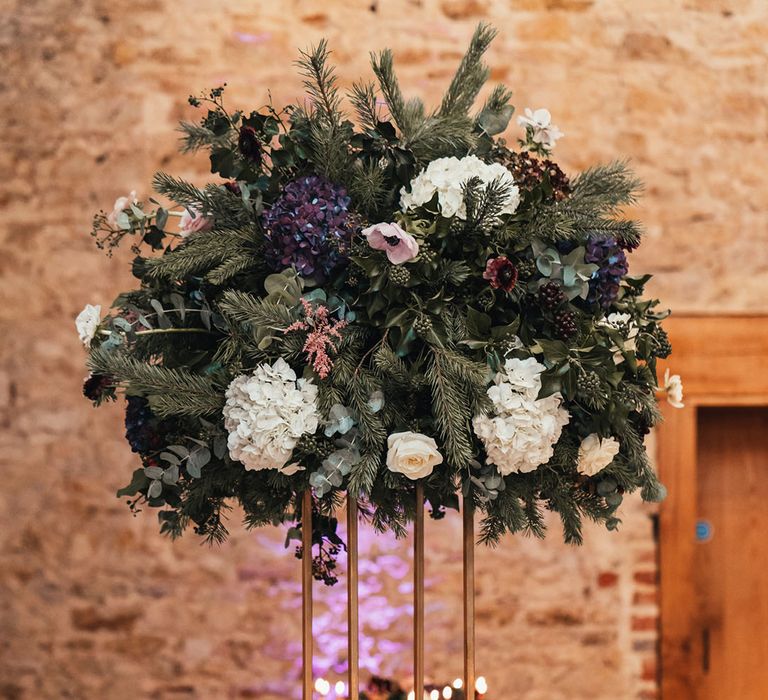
307, 227
141, 426
608, 254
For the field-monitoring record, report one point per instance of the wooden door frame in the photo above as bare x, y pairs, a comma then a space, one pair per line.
723, 361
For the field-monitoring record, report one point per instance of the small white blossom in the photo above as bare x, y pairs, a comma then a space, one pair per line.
596, 453
673, 386
121, 204
629, 330
412, 454
521, 432
445, 178
266, 413
544, 131
87, 322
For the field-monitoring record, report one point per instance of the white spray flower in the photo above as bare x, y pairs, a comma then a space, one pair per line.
544, 132
87, 322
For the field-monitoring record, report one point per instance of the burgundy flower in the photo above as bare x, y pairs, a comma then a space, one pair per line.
96, 386
501, 273
249, 145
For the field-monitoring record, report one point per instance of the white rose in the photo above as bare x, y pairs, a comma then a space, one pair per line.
412, 454
596, 453
87, 322
673, 386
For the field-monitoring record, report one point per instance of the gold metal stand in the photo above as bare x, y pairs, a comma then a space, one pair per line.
418, 594
306, 594
353, 622
353, 619
468, 517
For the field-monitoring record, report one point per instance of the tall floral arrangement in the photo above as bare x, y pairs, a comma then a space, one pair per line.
359, 303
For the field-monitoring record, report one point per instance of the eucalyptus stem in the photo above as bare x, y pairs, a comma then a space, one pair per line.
174, 330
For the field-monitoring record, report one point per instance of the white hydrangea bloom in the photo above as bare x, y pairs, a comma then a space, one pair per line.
596, 453
446, 177
266, 413
522, 430
87, 322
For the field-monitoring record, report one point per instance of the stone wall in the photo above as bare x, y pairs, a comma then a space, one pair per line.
93, 603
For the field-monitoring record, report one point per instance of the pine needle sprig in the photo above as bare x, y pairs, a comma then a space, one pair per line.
470, 75
321, 83
364, 100
196, 137
172, 392
226, 208
604, 189
207, 252
383, 67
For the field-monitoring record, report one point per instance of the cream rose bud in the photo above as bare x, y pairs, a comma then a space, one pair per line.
596, 453
412, 454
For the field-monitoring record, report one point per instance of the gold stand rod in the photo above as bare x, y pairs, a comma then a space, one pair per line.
306, 594
468, 512
418, 594
353, 621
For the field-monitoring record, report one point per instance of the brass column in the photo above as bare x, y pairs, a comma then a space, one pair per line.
306, 594
468, 517
353, 622
418, 594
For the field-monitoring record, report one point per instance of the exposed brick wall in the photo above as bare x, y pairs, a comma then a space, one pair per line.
93, 603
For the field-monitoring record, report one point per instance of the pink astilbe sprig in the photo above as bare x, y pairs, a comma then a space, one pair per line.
321, 333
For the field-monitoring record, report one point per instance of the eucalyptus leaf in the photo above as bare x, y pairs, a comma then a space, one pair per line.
155, 489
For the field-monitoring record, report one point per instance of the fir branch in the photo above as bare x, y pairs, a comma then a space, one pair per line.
442, 136
206, 251
172, 392
498, 100
227, 209
484, 204
452, 412
368, 187
257, 313
391, 367
363, 99
470, 75
320, 83
383, 68
196, 137
239, 261
604, 189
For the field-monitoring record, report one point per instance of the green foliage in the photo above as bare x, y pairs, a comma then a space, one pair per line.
419, 342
